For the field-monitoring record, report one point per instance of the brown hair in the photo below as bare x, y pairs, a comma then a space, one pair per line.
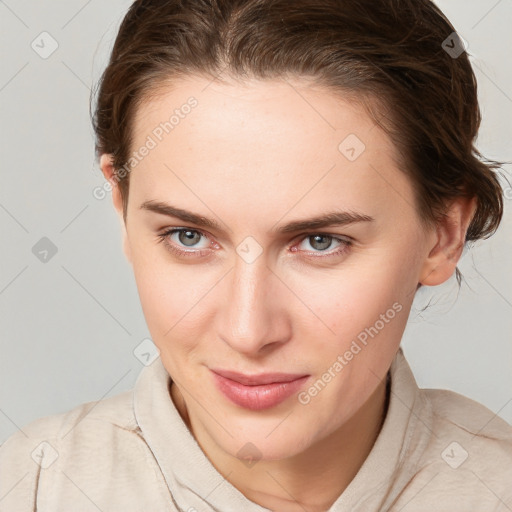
394, 55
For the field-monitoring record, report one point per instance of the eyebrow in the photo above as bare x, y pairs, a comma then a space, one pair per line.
322, 221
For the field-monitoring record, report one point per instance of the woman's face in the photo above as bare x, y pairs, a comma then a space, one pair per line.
247, 286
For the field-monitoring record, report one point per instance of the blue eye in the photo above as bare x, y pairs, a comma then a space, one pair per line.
321, 242
187, 238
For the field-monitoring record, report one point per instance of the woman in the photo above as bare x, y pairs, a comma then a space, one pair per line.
287, 175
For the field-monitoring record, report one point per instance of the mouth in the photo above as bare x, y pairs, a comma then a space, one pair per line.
260, 379
257, 392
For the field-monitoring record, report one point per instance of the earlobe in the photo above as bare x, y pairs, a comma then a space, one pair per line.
108, 170
448, 242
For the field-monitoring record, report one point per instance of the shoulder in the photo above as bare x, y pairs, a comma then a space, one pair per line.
29, 455
111, 413
468, 453
456, 415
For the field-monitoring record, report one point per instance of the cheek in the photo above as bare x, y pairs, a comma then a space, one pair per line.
366, 303
171, 296
355, 297
358, 316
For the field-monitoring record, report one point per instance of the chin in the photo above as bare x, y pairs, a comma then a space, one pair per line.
260, 446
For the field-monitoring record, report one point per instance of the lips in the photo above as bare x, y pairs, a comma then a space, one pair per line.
258, 380
257, 392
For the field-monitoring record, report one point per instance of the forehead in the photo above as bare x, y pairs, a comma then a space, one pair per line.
281, 138
275, 110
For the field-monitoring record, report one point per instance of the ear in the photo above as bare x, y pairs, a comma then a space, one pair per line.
448, 242
107, 168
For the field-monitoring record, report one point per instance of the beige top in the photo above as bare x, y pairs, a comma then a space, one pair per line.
437, 451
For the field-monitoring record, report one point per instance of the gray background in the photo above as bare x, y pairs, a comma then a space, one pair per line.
69, 325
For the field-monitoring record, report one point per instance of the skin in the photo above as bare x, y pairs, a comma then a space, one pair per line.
255, 156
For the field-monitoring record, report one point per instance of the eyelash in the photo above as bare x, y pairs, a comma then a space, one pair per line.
163, 238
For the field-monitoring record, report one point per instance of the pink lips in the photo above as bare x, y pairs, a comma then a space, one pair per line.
257, 392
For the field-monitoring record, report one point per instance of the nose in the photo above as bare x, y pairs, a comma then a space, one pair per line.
253, 317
